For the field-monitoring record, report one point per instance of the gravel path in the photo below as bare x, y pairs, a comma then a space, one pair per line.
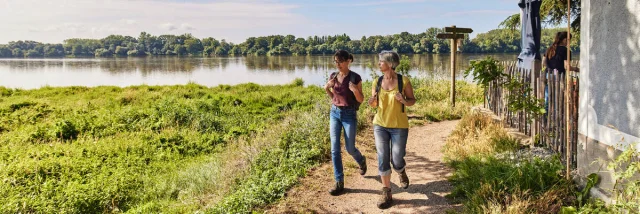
425, 169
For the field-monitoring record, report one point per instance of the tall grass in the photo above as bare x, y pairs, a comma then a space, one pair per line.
171, 149
487, 184
297, 149
478, 135
106, 149
433, 99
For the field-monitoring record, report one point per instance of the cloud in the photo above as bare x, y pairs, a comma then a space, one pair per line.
376, 3
480, 12
129, 21
66, 26
168, 26
412, 16
231, 20
186, 27
171, 27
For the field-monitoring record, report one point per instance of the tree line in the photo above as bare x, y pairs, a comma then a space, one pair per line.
494, 41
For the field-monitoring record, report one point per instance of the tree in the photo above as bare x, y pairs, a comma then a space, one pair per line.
208, 51
220, 51
135, 53
235, 51
101, 52
33, 53
180, 50
194, 46
5, 52
55, 50
552, 12
495, 41
17, 52
77, 50
121, 51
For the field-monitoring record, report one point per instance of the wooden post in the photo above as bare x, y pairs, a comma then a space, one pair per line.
568, 147
535, 127
454, 48
454, 34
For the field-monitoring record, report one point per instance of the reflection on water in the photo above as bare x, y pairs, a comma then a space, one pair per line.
34, 73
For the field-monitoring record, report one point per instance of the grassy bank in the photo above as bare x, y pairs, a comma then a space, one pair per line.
88, 150
172, 149
490, 183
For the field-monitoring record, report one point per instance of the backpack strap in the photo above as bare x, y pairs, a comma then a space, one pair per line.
352, 77
378, 86
400, 84
333, 75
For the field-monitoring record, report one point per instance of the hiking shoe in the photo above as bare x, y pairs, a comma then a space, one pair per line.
363, 166
337, 189
404, 179
385, 198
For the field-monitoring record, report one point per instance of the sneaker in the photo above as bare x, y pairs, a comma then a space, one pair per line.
337, 189
385, 199
404, 180
363, 166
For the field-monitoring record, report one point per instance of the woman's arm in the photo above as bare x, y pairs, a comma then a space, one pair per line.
409, 99
357, 91
373, 100
568, 67
328, 86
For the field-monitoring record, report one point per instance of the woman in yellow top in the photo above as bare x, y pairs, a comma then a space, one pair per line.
391, 124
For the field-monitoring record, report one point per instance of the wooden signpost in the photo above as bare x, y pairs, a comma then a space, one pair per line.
454, 33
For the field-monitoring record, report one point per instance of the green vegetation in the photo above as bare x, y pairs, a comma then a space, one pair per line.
552, 12
521, 98
495, 41
107, 149
626, 192
491, 183
172, 149
434, 102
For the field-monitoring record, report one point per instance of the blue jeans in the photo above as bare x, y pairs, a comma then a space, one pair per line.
391, 145
343, 119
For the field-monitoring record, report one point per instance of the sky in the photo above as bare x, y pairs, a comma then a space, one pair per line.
52, 21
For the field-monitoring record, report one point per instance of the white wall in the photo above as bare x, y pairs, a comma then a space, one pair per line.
610, 72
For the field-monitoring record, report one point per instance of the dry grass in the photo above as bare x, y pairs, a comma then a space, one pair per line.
478, 134
486, 184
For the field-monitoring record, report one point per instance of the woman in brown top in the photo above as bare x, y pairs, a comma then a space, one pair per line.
345, 89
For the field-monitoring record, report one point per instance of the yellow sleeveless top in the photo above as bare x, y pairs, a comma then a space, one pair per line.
390, 113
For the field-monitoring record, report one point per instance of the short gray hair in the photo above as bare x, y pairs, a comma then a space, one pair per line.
391, 58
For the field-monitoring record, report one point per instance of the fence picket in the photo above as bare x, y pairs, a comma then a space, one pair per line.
551, 87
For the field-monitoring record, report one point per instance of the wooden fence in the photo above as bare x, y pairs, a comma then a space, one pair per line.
549, 128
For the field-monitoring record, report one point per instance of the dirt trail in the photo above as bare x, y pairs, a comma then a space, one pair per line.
425, 169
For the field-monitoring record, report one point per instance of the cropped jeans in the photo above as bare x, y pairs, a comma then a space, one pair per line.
391, 144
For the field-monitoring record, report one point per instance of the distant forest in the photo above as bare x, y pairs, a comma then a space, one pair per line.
494, 41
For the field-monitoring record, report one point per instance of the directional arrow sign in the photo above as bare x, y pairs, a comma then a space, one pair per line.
458, 30
450, 36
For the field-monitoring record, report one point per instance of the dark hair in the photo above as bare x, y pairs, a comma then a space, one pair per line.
343, 55
560, 36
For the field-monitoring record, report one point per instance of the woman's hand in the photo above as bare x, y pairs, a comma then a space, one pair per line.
373, 100
353, 87
330, 84
400, 98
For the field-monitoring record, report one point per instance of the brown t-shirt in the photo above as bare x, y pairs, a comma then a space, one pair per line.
342, 95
